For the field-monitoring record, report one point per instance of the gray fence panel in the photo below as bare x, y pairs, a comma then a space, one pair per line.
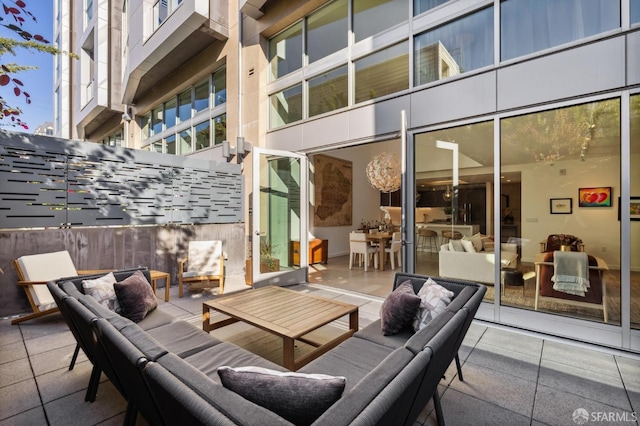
49, 182
33, 190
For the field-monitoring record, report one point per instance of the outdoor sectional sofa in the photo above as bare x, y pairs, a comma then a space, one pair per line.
167, 369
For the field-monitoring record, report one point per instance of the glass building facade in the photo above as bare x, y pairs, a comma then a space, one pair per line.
523, 88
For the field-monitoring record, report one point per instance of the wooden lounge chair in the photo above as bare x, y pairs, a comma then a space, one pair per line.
33, 273
205, 263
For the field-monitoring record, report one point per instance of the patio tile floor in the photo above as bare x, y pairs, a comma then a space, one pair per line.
510, 378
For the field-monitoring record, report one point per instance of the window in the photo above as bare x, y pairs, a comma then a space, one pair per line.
220, 87
88, 10
529, 26
170, 144
87, 74
420, 6
285, 51
184, 105
634, 5
203, 135
156, 121
555, 153
370, 18
382, 73
635, 200
156, 146
328, 92
220, 126
184, 138
202, 96
434, 162
145, 125
170, 113
286, 106
327, 30
181, 111
454, 48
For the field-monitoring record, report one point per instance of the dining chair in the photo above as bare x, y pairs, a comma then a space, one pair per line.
394, 249
359, 246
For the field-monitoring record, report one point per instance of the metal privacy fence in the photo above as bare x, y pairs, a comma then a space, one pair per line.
50, 182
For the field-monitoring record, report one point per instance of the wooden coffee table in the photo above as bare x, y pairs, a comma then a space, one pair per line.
286, 313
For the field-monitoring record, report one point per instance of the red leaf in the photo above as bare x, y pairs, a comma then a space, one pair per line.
13, 118
26, 94
28, 101
14, 10
6, 113
5, 69
20, 3
6, 9
38, 37
18, 82
4, 79
17, 91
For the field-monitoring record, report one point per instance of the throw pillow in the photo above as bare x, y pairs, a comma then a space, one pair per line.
476, 239
102, 290
434, 299
135, 296
299, 398
398, 309
468, 246
456, 245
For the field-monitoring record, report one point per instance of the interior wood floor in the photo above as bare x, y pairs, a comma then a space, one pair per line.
379, 283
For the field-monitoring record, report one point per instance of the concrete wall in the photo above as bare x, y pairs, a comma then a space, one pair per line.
157, 247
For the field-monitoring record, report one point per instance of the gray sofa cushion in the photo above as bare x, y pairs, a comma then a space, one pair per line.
363, 392
229, 403
298, 397
353, 359
156, 318
373, 333
210, 359
183, 339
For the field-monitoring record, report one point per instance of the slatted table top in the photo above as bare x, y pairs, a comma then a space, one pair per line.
286, 313
282, 311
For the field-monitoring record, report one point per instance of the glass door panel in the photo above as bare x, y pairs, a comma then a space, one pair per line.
279, 217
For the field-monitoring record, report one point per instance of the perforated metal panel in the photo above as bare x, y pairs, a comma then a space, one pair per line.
49, 182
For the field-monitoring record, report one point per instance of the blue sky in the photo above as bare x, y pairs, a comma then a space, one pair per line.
38, 83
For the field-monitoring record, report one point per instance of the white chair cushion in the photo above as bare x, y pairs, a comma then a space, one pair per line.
204, 258
46, 267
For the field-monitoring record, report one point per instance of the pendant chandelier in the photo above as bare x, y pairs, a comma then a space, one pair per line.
448, 195
384, 172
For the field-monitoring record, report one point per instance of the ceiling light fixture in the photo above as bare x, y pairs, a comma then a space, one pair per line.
447, 194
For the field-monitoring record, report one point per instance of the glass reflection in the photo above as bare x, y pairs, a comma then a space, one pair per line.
556, 153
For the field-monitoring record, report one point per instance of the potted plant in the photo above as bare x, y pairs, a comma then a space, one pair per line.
268, 263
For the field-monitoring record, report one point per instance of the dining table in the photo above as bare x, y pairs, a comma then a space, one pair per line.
381, 238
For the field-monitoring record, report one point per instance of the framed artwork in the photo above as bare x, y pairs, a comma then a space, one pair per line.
634, 208
594, 197
333, 193
561, 205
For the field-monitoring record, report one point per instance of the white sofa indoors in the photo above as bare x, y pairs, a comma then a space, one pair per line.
475, 266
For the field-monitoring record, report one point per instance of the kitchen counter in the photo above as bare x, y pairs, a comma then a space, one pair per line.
465, 230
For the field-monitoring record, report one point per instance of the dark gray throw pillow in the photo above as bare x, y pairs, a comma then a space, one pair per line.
296, 397
135, 297
399, 309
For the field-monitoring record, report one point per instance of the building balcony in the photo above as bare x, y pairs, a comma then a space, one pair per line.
156, 49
